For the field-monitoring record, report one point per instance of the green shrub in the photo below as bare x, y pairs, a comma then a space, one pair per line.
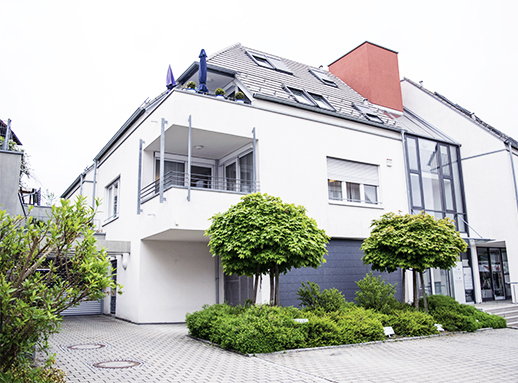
201, 323
354, 325
484, 319
411, 323
23, 373
460, 317
375, 294
261, 329
312, 298
219, 92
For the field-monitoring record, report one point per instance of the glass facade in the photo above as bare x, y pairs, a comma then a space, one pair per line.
436, 188
435, 180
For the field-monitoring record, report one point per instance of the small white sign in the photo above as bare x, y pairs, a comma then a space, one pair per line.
389, 331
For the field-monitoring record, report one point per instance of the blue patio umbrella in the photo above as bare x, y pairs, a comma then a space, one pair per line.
171, 83
202, 74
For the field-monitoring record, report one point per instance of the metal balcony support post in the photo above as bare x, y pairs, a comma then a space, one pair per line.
254, 169
162, 164
189, 154
141, 144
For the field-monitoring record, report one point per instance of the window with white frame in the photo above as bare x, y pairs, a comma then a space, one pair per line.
269, 62
112, 199
238, 173
313, 99
175, 174
323, 77
354, 182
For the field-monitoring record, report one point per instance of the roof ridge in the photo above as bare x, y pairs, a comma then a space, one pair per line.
235, 45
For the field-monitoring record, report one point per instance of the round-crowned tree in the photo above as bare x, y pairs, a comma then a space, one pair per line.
414, 242
261, 235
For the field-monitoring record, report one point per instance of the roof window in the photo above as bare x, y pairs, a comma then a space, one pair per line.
368, 113
323, 77
269, 62
303, 97
321, 101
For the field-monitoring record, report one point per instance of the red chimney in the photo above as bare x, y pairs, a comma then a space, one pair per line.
372, 71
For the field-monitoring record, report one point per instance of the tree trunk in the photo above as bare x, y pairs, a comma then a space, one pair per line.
276, 285
424, 294
404, 286
416, 293
272, 286
256, 286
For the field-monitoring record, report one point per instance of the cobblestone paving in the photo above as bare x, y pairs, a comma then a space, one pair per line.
167, 354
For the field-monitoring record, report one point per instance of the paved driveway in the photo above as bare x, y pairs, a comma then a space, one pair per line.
164, 353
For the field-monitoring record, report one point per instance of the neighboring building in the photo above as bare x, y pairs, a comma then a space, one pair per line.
488, 158
11, 162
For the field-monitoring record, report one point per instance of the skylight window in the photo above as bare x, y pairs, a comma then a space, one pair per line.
321, 101
323, 77
368, 113
301, 96
269, 62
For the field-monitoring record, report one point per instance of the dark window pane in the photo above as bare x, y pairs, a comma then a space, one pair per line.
335, 190
353, 192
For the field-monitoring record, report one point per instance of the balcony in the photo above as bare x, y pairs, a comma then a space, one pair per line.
177, 179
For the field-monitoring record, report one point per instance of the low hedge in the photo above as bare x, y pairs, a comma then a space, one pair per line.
454, 316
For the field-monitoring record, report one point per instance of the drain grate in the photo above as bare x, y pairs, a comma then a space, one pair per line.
117, 364
92, 346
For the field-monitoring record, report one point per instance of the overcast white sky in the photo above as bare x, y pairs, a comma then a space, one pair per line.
72, 72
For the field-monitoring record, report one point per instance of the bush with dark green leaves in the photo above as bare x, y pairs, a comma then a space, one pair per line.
374, 293
454, 316
347, 326
312, 298
411, 323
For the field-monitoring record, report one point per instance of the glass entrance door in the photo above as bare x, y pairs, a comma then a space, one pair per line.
491, 270
497, 276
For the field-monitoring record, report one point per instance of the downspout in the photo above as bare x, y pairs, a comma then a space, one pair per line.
254, 171
514, 174
7, 134
189, 155
82, 181
95, 184
141, 144
217, 279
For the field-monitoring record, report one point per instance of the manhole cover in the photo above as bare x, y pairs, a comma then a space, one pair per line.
117, 364
85, 346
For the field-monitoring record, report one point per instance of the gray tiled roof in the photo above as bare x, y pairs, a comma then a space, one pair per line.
270, 83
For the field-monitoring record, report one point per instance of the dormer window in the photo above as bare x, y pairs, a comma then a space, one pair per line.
368, 113
269, 62
323, 77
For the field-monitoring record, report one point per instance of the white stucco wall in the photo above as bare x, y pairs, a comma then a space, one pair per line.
170, 269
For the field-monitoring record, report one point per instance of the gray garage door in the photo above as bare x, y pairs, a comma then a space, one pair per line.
85, 308
343, 268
